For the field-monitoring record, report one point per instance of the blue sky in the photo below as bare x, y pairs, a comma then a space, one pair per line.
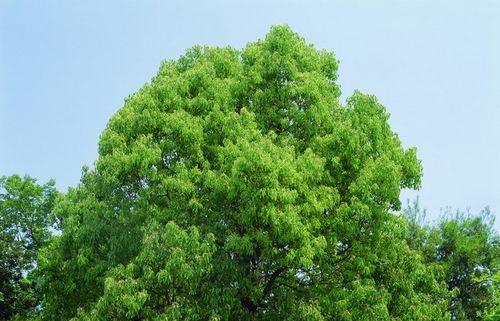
66, 66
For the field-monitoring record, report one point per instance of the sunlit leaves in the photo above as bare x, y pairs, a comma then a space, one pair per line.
236, 186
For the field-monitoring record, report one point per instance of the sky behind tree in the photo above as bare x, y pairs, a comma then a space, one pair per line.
65, 68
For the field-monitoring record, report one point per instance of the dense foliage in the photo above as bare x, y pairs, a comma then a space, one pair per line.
25, 207
236, 186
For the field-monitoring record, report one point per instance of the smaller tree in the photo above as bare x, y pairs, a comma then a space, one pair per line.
465, 251
25, 208
492, 310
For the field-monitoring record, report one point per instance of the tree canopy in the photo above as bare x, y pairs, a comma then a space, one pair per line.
236, 186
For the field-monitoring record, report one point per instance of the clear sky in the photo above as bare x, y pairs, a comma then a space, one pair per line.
66, 66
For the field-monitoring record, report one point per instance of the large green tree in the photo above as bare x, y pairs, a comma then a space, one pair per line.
25, 209
236, 186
